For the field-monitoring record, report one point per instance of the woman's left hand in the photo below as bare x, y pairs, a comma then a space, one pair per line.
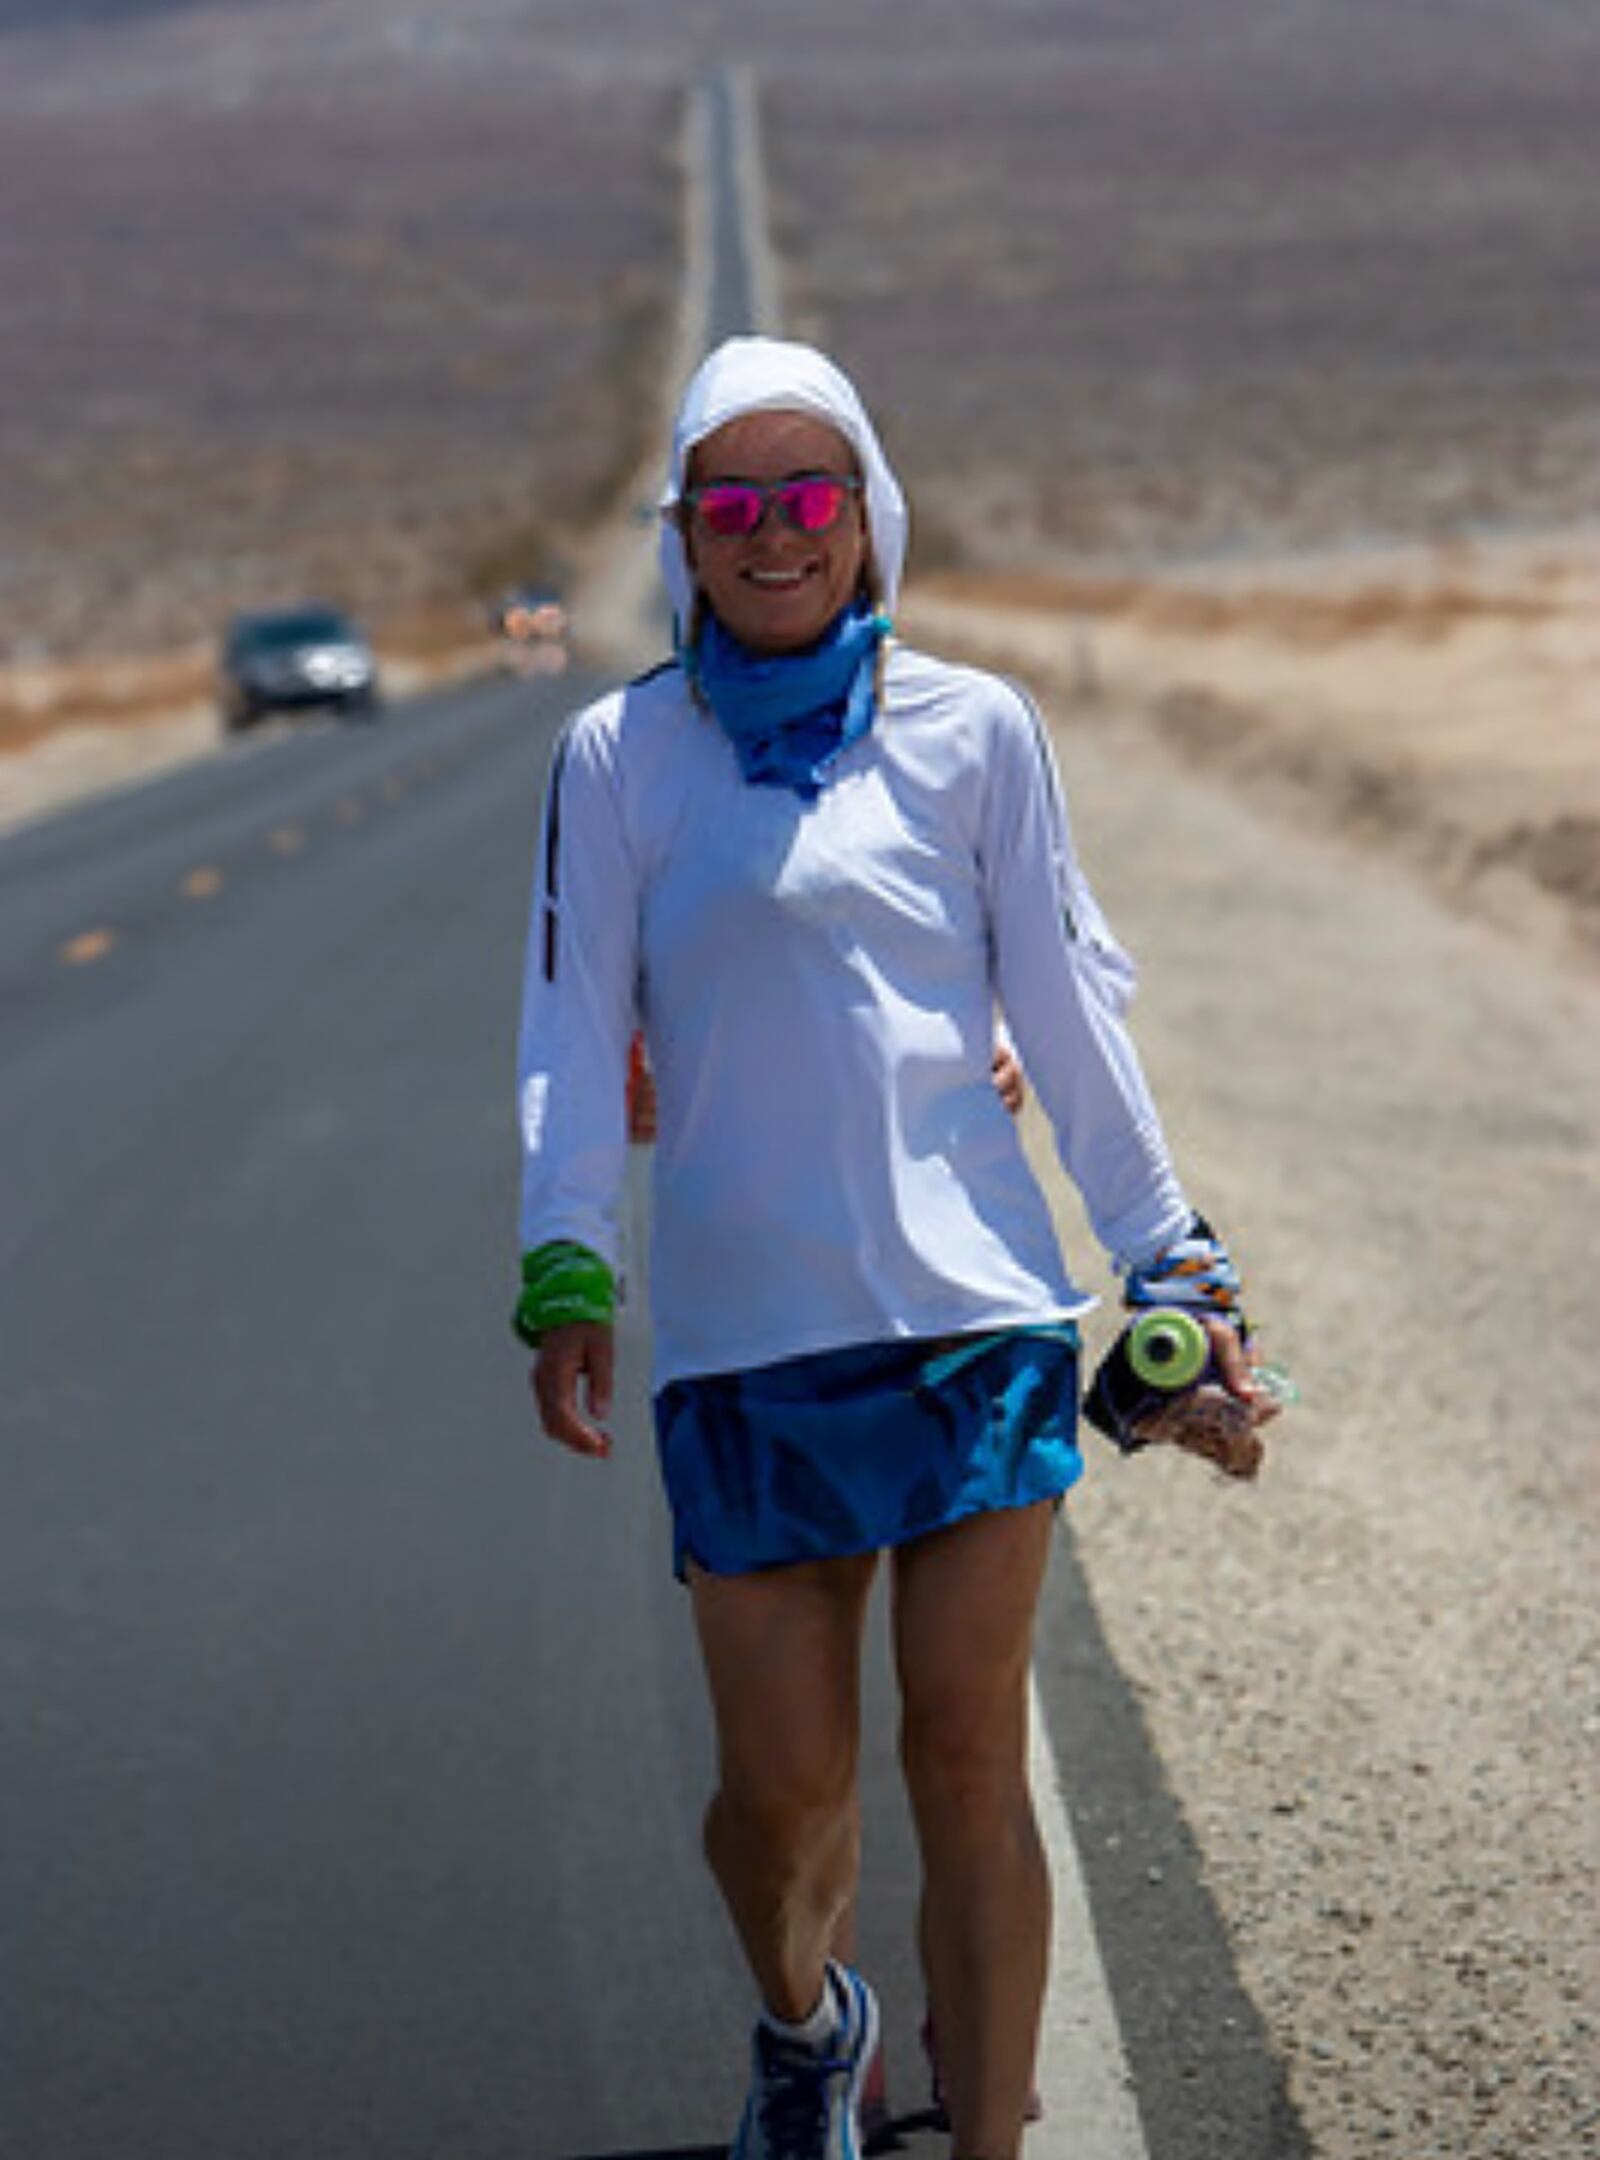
1005, 1070
1237, 1372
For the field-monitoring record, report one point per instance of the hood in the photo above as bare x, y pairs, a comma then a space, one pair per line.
757, 374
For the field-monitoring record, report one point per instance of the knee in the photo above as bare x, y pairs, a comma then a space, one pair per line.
783, 1808
965, 1771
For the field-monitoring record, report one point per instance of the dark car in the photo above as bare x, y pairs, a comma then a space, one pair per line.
291, 658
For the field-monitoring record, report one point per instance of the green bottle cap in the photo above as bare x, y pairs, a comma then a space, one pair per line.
1168, 1349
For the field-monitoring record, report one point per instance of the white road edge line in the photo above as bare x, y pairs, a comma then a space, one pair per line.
1089, 2109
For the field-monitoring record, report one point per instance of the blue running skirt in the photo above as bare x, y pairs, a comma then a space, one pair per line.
848, 1451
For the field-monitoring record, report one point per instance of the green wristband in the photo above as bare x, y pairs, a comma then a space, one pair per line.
562, 1283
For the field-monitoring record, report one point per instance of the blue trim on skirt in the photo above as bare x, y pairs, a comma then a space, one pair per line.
848, 1451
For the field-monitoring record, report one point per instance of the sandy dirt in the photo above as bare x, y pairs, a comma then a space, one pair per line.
1372, 1678
1437, 703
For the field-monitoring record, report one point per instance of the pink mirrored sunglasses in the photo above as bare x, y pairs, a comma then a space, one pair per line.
808, 502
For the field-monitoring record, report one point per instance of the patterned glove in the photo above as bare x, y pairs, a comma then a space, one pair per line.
562, 1283
1194, 1271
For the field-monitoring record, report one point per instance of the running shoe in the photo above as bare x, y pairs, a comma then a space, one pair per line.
1033, 2112
805, 2103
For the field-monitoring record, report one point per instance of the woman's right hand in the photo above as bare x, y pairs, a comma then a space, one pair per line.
641, 1095
572, 1374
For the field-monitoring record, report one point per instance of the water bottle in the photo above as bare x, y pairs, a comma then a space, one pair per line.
1160, 1381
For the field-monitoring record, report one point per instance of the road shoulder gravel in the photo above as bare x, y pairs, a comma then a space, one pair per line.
1371, 1679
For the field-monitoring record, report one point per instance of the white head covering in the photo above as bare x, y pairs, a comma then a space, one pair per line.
757, 374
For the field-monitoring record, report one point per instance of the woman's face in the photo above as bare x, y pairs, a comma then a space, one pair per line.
775, 589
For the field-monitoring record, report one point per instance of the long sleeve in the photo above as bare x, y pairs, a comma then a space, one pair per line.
579, 1000
1064, 985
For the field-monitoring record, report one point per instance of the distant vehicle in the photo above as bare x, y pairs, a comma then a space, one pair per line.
288, 658
532, 621
530, 613
527, 612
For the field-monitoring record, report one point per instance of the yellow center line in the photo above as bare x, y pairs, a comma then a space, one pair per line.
205, 881
87, 946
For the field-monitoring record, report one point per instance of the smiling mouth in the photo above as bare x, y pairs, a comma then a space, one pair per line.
779, 580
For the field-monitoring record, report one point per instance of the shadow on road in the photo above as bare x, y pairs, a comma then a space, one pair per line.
661, 2152
890, 2139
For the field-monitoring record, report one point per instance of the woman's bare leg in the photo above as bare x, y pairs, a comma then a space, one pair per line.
782, 1652
964, 1603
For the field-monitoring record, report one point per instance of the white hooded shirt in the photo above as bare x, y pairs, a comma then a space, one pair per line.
818, 982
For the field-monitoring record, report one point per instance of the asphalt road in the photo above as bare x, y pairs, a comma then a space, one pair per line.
315, 1744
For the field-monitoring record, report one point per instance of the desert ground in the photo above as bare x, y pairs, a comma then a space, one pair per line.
1372, 1674
1437, 704
1243, 364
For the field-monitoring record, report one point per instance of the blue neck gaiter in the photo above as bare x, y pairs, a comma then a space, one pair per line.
791, 716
